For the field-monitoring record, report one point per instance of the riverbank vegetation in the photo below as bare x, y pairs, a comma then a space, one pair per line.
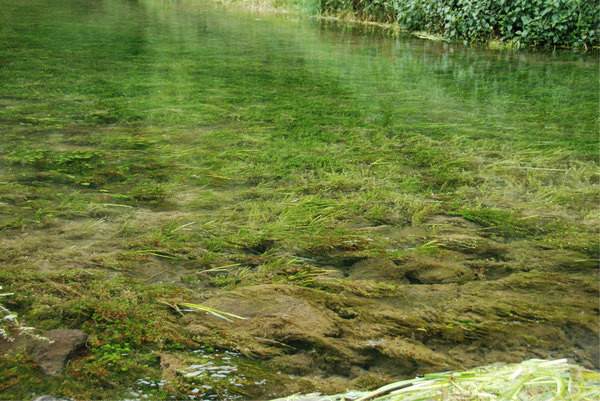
374, 209
496, 23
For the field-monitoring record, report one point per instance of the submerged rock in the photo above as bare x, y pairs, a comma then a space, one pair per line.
378, 269
304, 331
433, 271
51, 350
52, 356
458, 311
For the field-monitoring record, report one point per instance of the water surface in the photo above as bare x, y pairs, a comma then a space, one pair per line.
191, 63
431, 206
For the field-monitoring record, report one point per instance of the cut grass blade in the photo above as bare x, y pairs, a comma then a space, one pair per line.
153, 252
220, 314
219, 268
530, 380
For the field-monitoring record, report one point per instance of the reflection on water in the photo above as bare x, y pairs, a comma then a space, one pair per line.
191, 63
510, 93
160, 115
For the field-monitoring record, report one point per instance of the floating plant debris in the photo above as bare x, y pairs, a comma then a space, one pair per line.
528, 381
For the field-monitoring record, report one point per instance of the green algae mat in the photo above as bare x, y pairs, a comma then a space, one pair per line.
235, 205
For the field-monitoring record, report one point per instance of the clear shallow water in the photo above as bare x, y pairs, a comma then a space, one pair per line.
157, 139
191, 63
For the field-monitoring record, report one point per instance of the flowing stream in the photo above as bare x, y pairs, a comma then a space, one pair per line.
376, 207
190, 63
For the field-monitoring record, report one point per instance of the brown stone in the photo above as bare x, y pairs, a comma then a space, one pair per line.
431, 271
378, 269
52, 356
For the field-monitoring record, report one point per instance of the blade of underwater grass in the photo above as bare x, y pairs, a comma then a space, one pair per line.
214, 312
537, 380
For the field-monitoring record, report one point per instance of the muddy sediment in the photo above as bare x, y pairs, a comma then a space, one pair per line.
485, 302
470, 291
349, 320
353, 210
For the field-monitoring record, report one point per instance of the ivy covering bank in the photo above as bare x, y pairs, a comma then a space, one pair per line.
539, 23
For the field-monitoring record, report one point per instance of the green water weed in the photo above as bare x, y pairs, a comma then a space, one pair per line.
292, 157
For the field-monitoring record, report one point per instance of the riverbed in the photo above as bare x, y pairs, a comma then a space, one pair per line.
353, 208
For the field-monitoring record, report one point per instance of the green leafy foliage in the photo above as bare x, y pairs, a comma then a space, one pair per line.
544, 23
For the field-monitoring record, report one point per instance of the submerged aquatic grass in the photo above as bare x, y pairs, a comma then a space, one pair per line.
162, 151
